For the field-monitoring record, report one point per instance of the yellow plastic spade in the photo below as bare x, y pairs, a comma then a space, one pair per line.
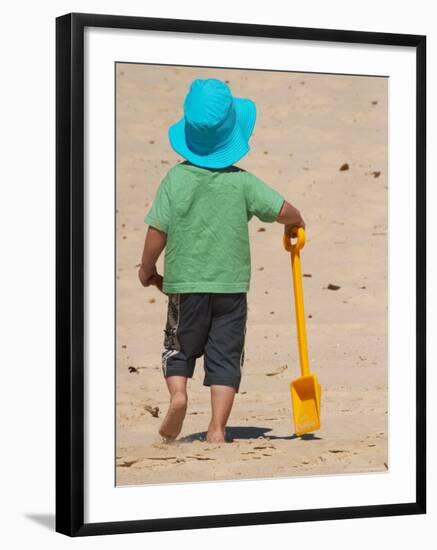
305, 390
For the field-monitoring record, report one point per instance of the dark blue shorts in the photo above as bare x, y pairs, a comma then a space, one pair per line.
212, 325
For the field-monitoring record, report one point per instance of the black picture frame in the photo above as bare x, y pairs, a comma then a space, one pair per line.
70, 273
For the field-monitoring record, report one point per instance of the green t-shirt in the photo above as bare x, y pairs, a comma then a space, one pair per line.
205, 214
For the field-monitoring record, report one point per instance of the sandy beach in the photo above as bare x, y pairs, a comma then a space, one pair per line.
320, 140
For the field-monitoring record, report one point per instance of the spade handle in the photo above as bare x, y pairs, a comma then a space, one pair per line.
295, 249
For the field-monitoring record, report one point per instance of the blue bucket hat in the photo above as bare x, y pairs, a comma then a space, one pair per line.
216, 127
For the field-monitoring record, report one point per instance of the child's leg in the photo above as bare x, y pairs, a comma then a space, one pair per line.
222, 399
224, 357
172, 423
185, 333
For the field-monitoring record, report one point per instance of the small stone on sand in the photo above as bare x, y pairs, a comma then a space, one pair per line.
332, 287
154, 411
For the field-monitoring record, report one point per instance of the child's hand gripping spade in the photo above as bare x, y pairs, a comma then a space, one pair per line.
305, 390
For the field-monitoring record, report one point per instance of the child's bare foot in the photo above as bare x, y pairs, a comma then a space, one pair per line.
215, 435
222, 398
172, 423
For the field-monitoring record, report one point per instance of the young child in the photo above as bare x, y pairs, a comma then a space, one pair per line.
200, 216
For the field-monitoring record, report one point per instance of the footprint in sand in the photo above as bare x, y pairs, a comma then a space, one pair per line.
127, 463
280, 371
160, 458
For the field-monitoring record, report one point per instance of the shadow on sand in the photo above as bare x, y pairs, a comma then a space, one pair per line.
247, 432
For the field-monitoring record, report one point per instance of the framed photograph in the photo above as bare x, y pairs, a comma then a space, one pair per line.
240, 274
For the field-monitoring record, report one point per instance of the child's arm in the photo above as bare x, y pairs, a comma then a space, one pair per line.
154, 244
291, 218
